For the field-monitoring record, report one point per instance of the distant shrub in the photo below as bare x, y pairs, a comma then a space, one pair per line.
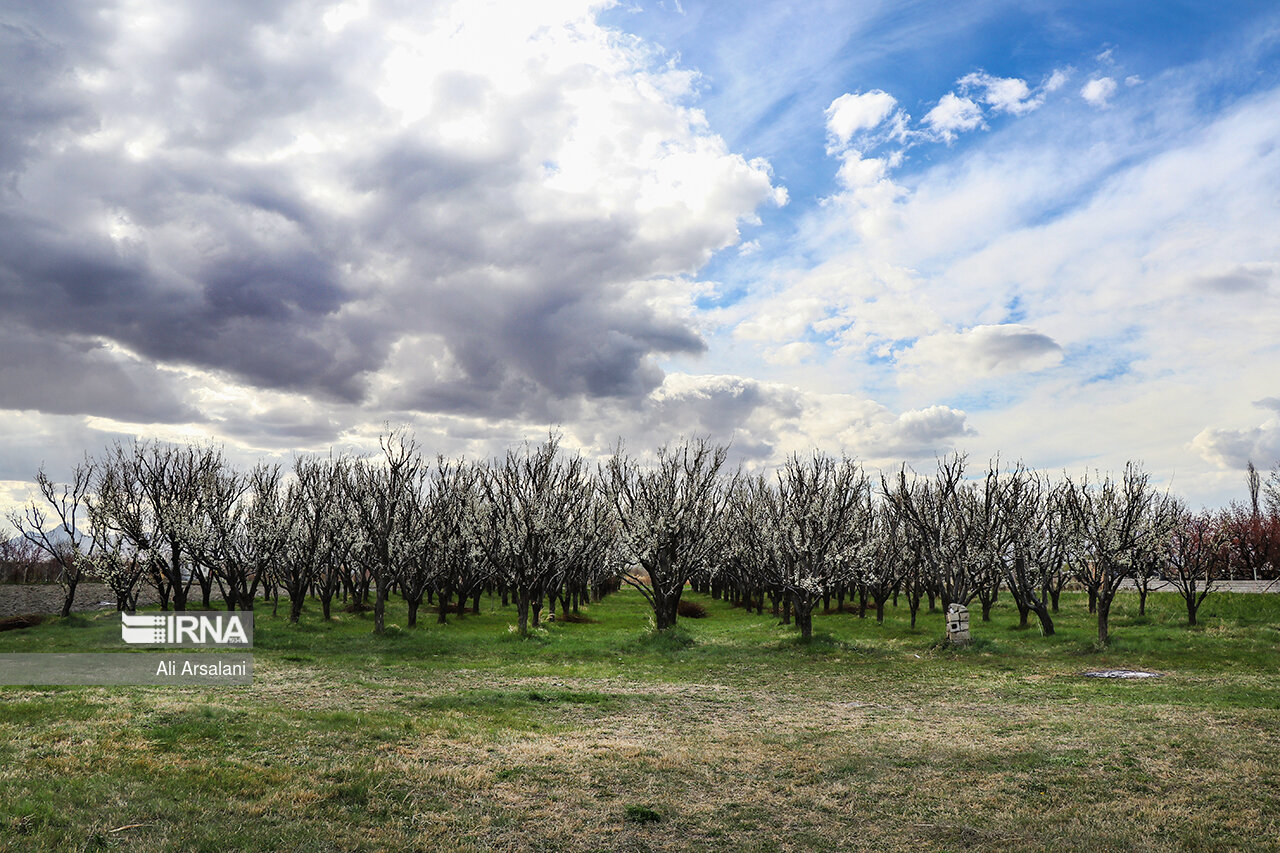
26, 620
692, 610
575, 618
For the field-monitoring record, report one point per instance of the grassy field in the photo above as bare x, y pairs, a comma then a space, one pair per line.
728, 735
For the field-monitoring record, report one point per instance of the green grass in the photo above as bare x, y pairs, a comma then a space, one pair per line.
736, 735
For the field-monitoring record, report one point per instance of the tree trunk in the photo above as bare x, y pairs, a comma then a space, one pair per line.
70, 597
380, 609
1024, 610
1142, 600
880, 609
1046, 621
522, 611
804, 619
1104, 612
179, 596
666, 609
442, 606
413, 611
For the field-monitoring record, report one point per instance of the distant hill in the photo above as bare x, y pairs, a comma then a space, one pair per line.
57, 537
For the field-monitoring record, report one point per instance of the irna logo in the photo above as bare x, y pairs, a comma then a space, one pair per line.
188, 629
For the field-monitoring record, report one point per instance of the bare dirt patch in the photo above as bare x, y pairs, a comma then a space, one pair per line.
23, 598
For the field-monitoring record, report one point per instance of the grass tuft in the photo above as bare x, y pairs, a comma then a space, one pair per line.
641, 814
671, 640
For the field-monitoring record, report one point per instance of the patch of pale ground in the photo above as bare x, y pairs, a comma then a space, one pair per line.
726, 766
729, 767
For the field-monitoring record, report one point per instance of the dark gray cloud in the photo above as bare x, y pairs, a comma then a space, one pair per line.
62, 376
720, 405
1272, 403
981, 351
38, 97
918, 434
1245, 278
234, 187
1001, 347
296, 425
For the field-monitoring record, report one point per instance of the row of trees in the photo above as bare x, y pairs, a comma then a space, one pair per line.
824, 528
541, 527
22, 561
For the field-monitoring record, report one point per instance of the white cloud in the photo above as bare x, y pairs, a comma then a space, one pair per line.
953, 114
1098, 91
786, 319
854, 112
1002, 94
765, 421
1057, 79
1235, 448
856, 171
791, 354
874, 433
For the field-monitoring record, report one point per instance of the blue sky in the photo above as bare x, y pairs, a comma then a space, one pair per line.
1047, 230
768, 71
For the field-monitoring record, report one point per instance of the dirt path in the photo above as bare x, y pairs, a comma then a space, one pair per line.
1218, 586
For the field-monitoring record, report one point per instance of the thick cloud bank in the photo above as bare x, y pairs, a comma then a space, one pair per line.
432, 207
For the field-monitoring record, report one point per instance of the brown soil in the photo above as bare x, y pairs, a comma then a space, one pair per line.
22, 598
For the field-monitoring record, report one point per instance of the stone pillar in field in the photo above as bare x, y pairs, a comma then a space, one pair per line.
958, 625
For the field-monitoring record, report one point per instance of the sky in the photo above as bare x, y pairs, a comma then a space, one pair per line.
1044, 230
